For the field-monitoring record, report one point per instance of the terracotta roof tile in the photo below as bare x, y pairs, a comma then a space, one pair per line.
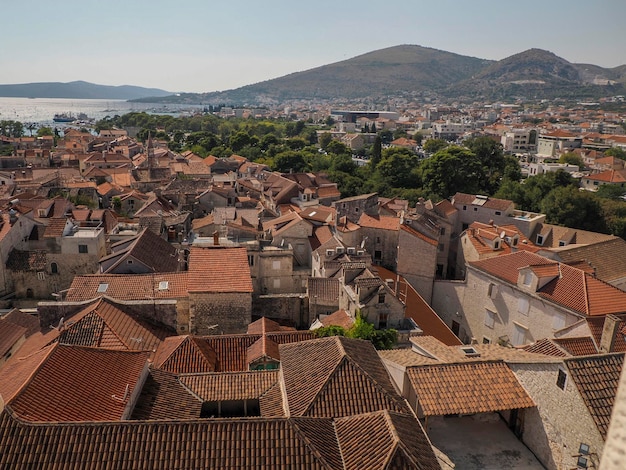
597, 379
419, 311
10, 334
420, 235
28, 321
185, 355
583, 346
67, 385
336, 377
128, 286
477, 387
380, 222
392, 440
339, 318
262, 348
219, 270
18, 372
490, 203
545, 346
279, 443
164, 397
103, 324
150, 249
225, 386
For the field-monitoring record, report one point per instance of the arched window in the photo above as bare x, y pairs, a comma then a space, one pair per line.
29, 293
54, 268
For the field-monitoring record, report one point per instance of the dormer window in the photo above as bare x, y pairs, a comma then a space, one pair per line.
496, 245
540, 240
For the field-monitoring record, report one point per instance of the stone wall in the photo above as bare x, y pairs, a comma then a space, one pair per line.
292, 307
417, 262
519, 317
231, 312
554, 430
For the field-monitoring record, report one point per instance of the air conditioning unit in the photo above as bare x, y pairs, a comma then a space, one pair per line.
330, 252
360, 253
340, 250
351, 250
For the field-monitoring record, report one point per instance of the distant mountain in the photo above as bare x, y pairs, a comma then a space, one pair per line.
539, 73
384, 72
408, 70
79, 90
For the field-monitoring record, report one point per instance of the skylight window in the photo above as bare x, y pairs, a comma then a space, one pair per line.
102, 287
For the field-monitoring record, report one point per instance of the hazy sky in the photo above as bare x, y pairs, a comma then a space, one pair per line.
203, 45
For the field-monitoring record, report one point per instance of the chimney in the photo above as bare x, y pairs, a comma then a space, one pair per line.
216, 238
607, 341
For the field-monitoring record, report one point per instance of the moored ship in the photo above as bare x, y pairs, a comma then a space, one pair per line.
63, 117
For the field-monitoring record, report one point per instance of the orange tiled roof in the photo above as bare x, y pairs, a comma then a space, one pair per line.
219, 270
326, 377
128, 286
545, 346
597, 379
380, 222
583, 346
164, 397
338, 318
67, 386
489, 203
477, 387
419, 310
420, 235
225, 386
185, 355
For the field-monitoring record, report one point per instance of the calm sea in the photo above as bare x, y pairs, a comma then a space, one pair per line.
42, 110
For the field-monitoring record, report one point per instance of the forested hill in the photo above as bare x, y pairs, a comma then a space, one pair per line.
411, 71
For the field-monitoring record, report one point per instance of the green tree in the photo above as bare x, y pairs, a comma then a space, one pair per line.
610, 191
9, 128
491, 157
451, 170
44, 131
325, 139
290, 161
397, 168
434, 145
330, 330
616, 152
239, 140
572, 158
337, 148
570, 207
377, 150
381, 339
418, 137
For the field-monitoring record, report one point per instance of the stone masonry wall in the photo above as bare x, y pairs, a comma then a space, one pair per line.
558, 425
231, 312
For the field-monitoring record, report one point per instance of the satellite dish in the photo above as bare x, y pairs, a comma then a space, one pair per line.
502, 234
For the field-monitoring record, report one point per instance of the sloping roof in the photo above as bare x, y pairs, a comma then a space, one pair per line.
224, 386
67, 386
392, 440
336, 376
28, 321
487, 202
280, 444
419, 311
597, 379
150, 249
420, 235
17, 373
339, 318
582, 346
105, 325
164, 397
185, 355
128, 286
10, 333
322, 289
219, 270
383, 222
477, 387
607, 258
545, 346
570, 287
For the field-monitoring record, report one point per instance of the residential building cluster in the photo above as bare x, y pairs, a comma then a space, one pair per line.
161, 308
